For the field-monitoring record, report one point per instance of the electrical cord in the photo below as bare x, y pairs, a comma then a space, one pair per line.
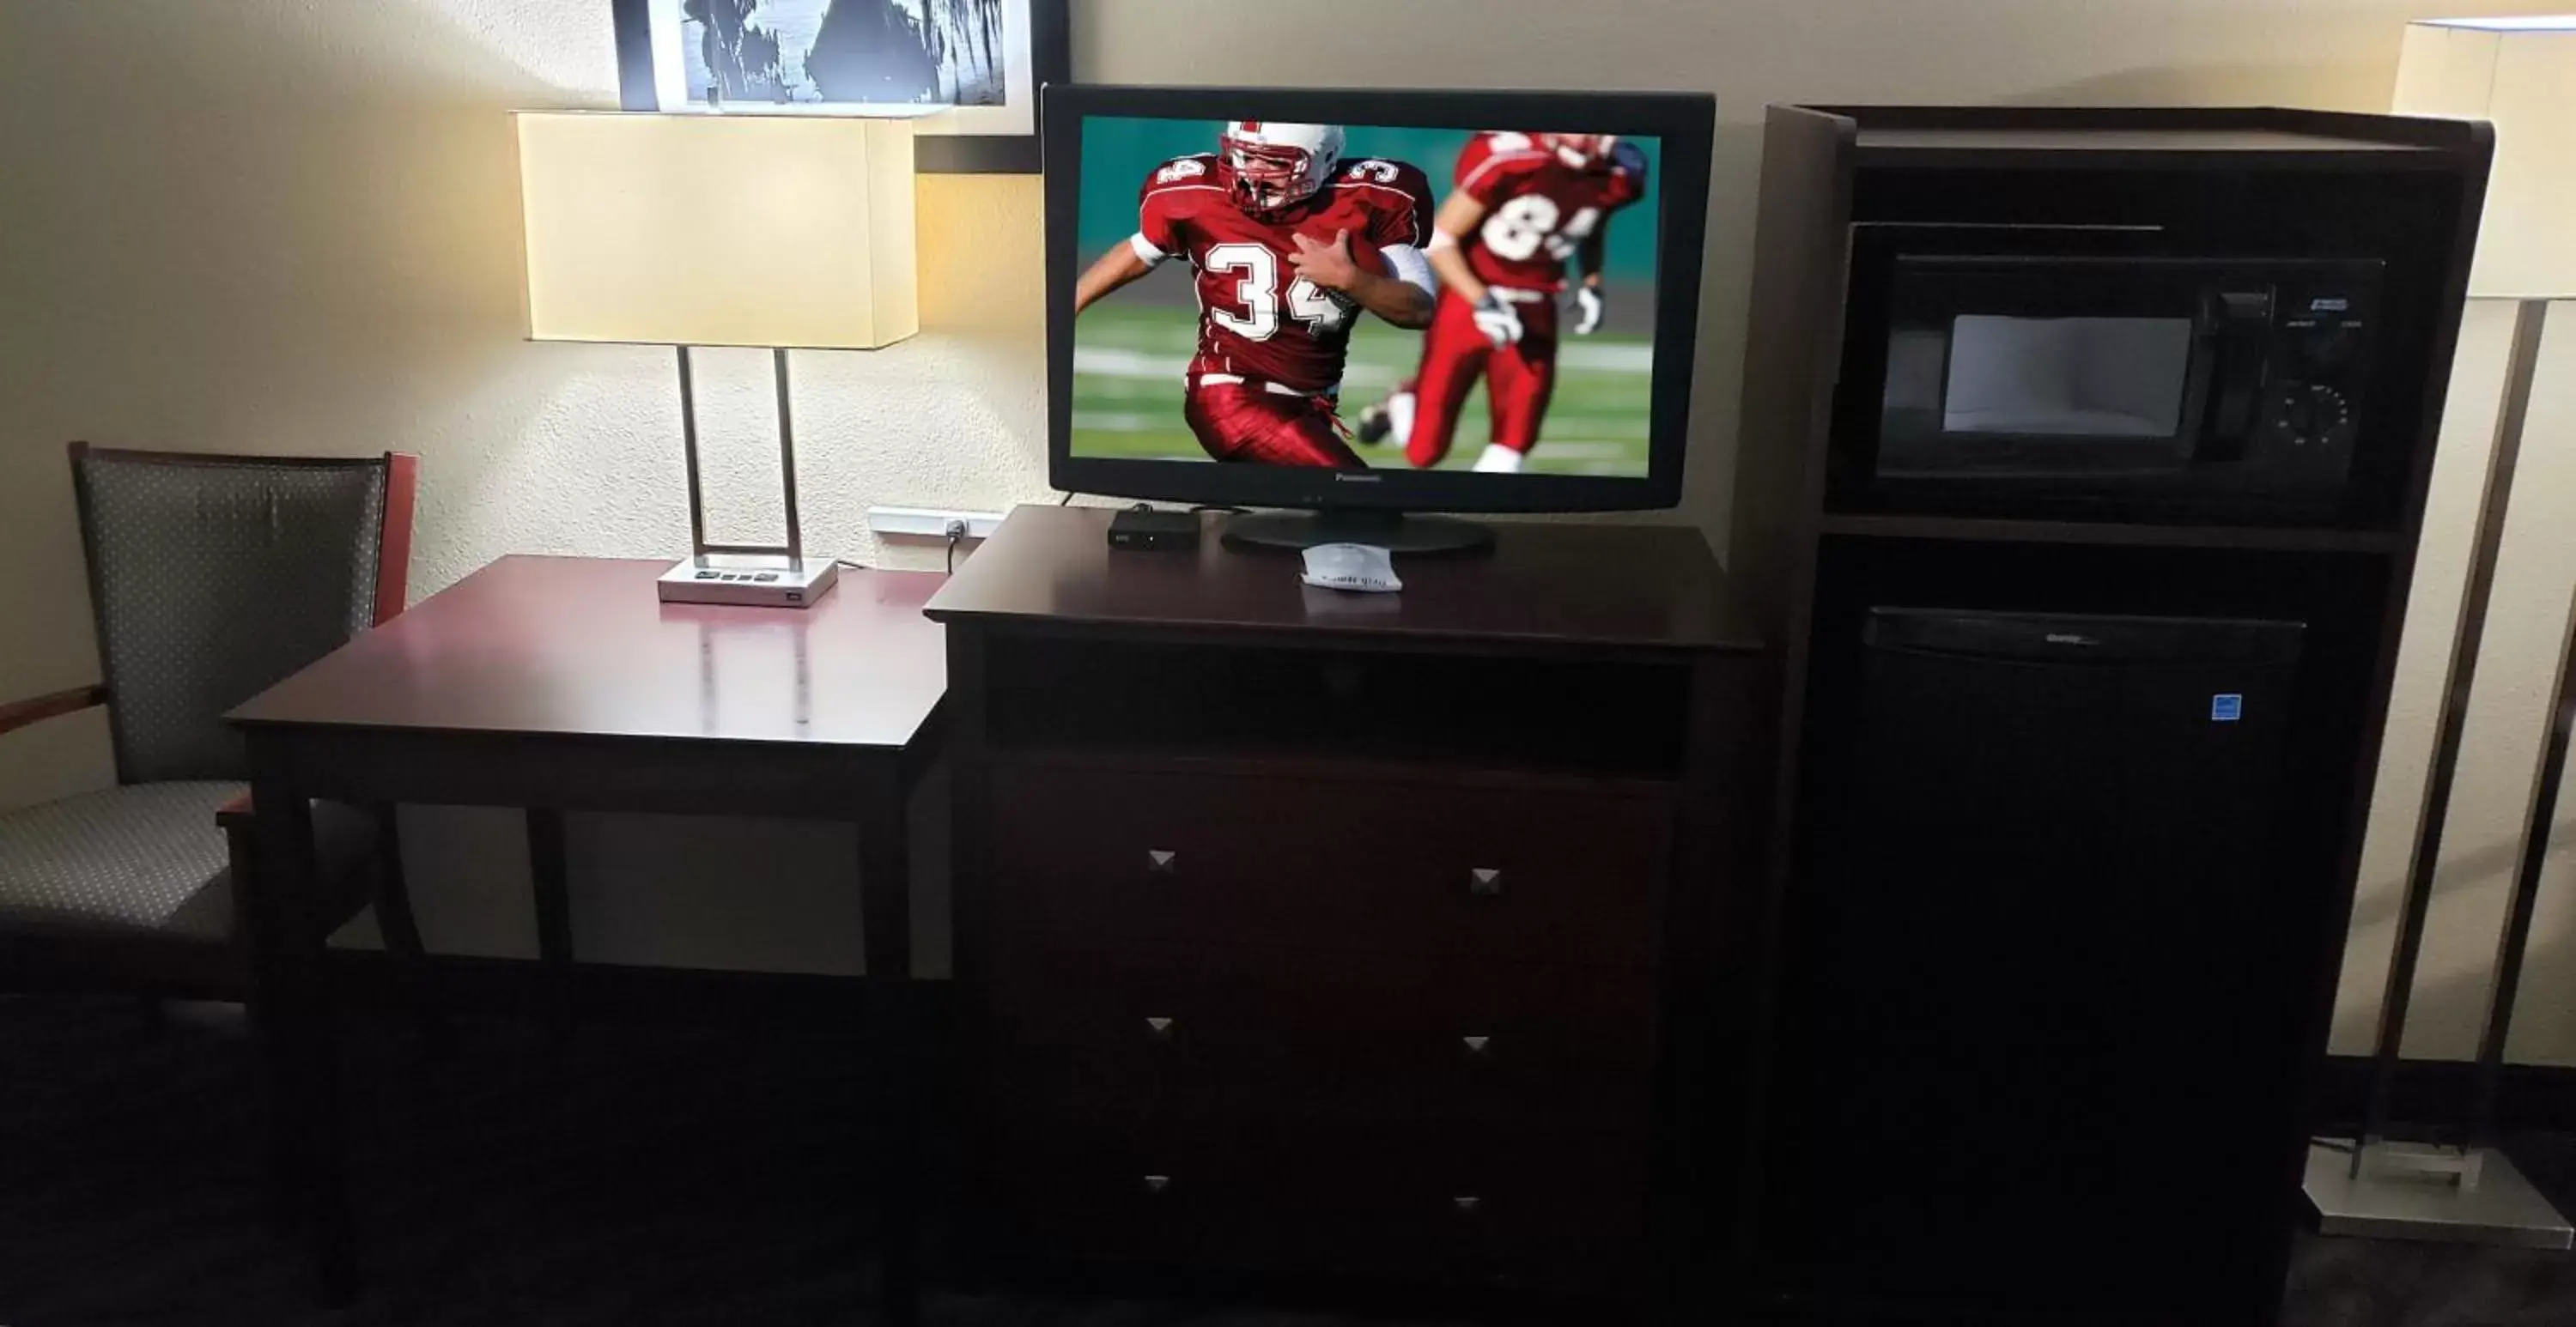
1066, 500
952, 555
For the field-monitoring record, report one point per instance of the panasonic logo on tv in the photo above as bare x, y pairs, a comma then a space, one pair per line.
1349, 477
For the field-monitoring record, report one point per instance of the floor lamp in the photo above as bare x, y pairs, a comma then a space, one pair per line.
2519, 73
776, 231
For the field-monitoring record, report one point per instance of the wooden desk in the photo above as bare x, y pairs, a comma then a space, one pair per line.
1373, 936
563, 684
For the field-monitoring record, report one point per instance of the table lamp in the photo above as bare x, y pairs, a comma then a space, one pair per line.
2519, 73
781, 232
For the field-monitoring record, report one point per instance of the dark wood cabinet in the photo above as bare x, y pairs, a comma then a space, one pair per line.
1330, 935
2051, 976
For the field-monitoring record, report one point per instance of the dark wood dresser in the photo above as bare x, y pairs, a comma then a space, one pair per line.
1362, 936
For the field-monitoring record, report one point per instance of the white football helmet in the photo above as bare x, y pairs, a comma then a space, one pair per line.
1268, 167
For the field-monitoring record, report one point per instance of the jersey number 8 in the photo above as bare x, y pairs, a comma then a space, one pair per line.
1516, 229
1257, 286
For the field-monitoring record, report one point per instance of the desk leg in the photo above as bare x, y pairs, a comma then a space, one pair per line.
550, 872
287, 940
885, 891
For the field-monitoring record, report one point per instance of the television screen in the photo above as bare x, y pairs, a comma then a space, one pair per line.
1353, 296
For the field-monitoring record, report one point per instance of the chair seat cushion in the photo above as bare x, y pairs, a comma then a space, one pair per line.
143, 858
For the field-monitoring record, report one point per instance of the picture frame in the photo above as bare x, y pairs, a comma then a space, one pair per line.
846, 57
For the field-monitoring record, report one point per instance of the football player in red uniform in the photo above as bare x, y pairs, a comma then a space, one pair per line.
1524, 204
1280, 231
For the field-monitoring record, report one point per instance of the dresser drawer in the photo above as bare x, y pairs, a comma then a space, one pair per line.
1284, 870
1075, 1185
1113, 1026
1354, 1198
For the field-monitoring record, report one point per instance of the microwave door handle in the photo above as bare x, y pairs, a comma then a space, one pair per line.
2240, 332
2199, 379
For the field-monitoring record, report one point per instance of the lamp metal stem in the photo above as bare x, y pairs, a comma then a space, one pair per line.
2523, 365
787, 459
689, 447
2513, 944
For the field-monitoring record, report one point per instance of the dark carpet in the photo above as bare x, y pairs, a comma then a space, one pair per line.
648, 1172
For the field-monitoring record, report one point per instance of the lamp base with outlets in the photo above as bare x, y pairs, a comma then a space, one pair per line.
2453, 1195
760, 582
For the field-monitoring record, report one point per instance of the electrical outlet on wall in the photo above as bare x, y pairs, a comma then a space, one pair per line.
930, 522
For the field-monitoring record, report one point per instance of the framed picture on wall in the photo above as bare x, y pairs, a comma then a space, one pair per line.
982, 60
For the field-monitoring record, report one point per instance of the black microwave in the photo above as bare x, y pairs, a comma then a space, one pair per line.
2110, 386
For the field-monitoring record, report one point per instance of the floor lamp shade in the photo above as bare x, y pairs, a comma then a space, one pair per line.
2519, 73
719, 230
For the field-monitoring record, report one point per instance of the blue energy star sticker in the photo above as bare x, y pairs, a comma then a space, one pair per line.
2226, 707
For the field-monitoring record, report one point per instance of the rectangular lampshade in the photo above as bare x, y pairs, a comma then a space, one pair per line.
2521, 74
718, 230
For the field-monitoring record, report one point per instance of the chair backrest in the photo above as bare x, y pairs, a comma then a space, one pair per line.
213, 577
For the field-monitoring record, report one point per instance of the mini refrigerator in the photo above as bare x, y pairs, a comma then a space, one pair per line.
2034, 950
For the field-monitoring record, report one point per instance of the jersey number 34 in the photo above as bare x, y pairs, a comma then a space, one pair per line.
1517, 228
1256, 269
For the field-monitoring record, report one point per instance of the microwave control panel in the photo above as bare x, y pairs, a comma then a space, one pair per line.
2315, 374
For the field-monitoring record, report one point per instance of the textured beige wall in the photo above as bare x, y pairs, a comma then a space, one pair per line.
292, 225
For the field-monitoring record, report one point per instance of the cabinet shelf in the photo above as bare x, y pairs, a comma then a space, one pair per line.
1968, 529
1341, 767
1253, 707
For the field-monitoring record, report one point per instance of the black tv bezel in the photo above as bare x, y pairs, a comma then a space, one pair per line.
1685, 122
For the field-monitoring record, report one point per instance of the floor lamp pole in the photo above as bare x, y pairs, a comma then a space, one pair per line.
2473, 1193
2526, 891
2522, 366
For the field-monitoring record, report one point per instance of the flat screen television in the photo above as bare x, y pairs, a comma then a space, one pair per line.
1363, 303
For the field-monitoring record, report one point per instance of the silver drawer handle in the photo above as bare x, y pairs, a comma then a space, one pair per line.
1467, 1203
1477, 1047
1157, 1183
1485, 881
1160, 860
1160, 1029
